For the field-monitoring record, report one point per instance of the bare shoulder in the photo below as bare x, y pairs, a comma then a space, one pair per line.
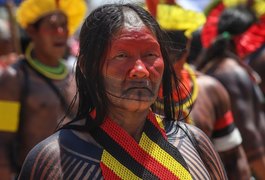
10, 80
210, 84
10, 72
215, 90
231, 72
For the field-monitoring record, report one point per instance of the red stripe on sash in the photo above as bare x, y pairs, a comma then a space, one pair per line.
108, 173
133, 148
153, 120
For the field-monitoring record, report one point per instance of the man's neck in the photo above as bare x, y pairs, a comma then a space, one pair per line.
45, 59
132, 122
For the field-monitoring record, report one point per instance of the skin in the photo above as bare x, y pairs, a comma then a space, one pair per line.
50, 38
258, 64
133, 87
128, 108
7, 50
43, 108
126, 72
7, 54
247, 115
211, 104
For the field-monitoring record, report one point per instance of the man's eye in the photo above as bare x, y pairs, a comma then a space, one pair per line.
151, 55
121, 56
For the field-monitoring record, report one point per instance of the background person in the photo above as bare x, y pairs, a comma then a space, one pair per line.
221, 59
36, 91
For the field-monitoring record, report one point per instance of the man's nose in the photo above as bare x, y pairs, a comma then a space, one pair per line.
139, 70
61, 30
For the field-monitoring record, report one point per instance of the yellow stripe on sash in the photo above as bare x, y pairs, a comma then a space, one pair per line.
164, 158
159, 121
117, 167
9, 115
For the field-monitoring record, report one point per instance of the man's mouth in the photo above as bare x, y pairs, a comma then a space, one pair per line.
59, 44
138, 88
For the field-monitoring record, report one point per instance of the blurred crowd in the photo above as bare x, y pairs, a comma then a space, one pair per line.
216, 46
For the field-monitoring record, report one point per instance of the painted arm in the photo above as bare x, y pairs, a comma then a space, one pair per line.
9, 118
42, 162
246, 116
226, 137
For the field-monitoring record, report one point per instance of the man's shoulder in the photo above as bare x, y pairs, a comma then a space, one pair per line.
231, 70
63, 147
49, 145
214, 91
208, 83
65, 141
11, 80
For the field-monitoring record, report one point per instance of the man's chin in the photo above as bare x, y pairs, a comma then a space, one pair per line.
135, 106
132, 103
138, 108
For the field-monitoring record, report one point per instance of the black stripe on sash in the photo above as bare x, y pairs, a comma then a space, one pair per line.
152, 132
120, 154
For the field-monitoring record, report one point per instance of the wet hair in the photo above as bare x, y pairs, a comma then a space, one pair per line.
177, 43
95, 37
232, 22
195, 46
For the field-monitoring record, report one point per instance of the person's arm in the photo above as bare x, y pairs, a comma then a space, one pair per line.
9, 120
43, 161
226, 138
240, 89
258, 65
6, 169
208, 154
235, 162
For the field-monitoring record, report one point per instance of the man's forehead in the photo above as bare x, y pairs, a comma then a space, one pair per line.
131, 19
134, 32
55, 17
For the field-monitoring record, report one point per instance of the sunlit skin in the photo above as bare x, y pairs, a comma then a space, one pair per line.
132, 75
132, 72
50, 39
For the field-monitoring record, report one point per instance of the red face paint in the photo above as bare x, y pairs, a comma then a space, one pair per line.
50, 38
133, 69
55, 24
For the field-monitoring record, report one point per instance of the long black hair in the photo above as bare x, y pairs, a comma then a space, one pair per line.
95, 36
232, 22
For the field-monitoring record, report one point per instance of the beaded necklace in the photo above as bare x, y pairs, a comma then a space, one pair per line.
189, 90
57, 73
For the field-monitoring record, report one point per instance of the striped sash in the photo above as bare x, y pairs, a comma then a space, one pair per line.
152, 158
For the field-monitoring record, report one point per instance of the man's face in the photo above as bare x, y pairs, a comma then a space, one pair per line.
133, 69
51, 36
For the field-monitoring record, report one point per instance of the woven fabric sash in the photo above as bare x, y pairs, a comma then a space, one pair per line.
153, 158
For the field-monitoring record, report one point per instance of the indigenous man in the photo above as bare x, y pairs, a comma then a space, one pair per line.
36, 91
115, 135
221, 59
